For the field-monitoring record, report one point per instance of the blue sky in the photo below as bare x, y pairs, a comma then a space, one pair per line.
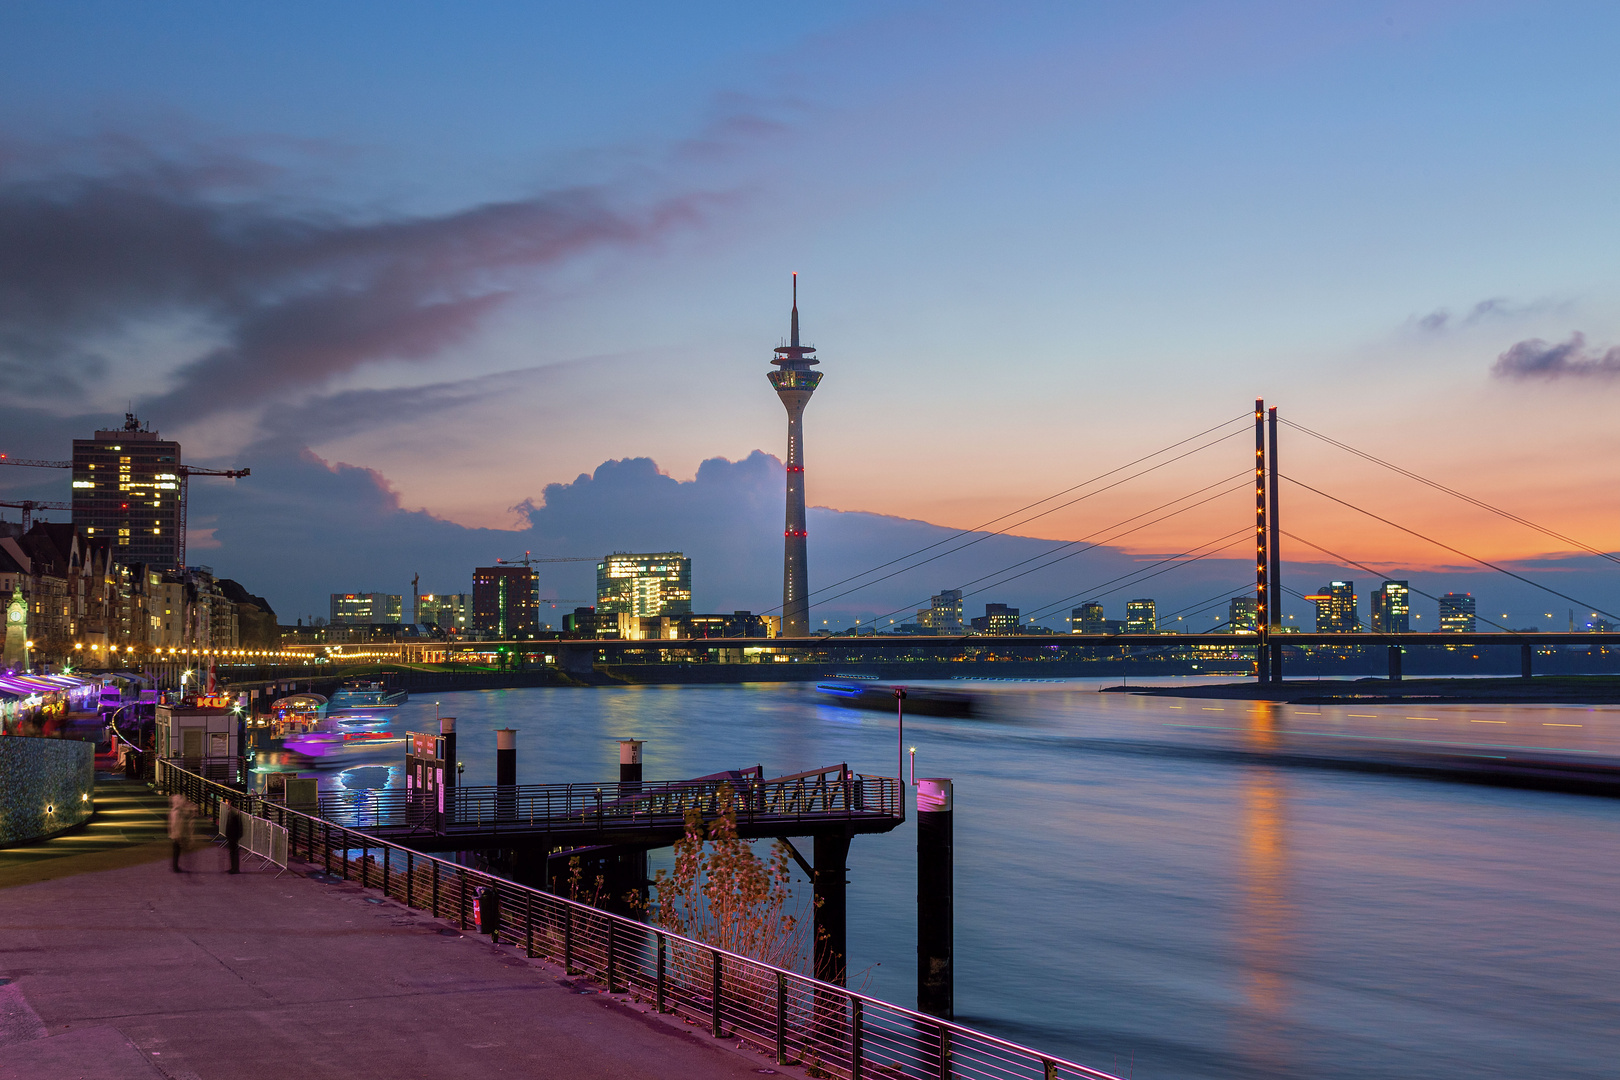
482, 249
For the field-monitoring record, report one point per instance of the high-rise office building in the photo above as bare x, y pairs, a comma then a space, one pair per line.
503, 602
1392, 608
1141, 617
447, 611
1336, 608
1457, 613
1088, 618
794, 383
644, 585
127, 491
997, 619
943, 615
1243, 615
363, 609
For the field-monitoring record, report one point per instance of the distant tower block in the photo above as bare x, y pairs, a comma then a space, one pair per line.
794, 383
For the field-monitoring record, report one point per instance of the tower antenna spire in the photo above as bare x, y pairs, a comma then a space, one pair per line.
795, 310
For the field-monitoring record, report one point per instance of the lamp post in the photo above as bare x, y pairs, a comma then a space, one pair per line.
900, 746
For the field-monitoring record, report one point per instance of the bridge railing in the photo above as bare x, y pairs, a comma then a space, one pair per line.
832, 793
782, 1014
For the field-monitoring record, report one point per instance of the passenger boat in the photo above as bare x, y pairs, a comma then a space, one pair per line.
879, 697
357, 694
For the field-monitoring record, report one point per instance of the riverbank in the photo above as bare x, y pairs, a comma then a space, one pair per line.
141, 972
1541, 690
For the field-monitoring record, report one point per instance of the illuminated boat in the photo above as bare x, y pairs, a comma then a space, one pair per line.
921, 700
334, 749
364, 694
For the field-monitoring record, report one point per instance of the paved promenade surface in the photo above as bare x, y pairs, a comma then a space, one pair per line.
138, 972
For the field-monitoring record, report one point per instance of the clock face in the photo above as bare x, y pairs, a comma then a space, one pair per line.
16, 613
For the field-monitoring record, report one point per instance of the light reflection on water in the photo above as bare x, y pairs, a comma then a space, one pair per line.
1175, 915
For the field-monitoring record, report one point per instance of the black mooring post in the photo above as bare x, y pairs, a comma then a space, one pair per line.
506, 773
631, 871
935, 924
831, 854
1526, 655
1395, 663
630, 761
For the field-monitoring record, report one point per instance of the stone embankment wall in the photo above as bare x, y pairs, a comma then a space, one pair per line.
46, 786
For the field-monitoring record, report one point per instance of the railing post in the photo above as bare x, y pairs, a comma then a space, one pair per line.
714, 989
855, 1069
461, 899
781, 1018
944, 1052
410, 876
528, 924
1049, 1067
568, 940
660, 994
612, 942
385, 871
435, 888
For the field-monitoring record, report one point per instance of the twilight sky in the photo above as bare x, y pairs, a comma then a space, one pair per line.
432, 265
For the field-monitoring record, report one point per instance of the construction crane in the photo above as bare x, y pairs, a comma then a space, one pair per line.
28, 506
530, 560
184, 472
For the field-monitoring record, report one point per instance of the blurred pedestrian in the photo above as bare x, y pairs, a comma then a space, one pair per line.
231, 821
179, 827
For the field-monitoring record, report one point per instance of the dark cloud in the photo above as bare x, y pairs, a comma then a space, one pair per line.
1497, 306
290, 297
1536, 359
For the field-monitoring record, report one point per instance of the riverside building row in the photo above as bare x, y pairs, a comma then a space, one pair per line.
71, 599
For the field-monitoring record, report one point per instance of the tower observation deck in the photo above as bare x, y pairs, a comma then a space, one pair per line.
795, 382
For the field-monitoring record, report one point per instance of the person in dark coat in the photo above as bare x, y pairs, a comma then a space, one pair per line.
233, 834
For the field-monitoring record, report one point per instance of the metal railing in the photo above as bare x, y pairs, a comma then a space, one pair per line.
832, 1031
831, 794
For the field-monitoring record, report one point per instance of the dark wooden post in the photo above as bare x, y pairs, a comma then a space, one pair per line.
935, 886
831, 854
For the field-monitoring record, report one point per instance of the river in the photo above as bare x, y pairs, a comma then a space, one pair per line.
1162, 913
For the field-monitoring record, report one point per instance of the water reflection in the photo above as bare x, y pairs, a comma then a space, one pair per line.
1195, 916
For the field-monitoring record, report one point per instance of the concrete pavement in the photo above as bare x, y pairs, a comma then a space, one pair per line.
138, 972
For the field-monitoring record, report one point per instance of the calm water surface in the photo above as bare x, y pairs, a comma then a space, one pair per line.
1158, 913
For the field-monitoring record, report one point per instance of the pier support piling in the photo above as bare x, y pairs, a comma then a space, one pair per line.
1526, 661
1395, 653
935, 888
831, 855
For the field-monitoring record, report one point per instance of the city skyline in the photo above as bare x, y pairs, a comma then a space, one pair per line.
459, 347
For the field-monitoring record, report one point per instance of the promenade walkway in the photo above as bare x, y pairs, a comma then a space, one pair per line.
137, 972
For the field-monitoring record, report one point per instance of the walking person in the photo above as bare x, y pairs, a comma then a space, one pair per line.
179, 828
233, 834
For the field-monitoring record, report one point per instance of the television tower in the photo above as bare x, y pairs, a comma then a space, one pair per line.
795, 382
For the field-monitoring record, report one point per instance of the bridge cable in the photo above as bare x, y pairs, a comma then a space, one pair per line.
1385, 575
1086, 540
1482, 504
1448, 547
1176, 561
1038, 502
